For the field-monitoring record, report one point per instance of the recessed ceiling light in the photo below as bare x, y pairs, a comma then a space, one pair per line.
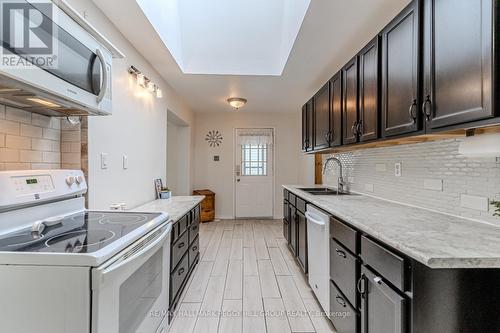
237, 102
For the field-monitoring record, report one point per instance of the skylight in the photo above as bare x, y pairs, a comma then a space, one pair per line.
227, 37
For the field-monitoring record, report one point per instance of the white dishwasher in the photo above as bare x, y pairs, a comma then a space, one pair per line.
318, 247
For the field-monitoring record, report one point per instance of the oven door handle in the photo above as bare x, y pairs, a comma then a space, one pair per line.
105, 78
135, 254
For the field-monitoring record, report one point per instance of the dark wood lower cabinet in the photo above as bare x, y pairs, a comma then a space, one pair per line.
293, 230
184, 254
302, 240
383, 310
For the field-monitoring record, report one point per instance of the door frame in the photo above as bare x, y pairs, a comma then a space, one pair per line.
273, 128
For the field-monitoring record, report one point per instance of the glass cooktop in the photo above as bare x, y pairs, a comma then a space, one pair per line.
81, 233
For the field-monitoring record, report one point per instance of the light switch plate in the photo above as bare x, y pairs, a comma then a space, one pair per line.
125, 162
398, 169
104, 161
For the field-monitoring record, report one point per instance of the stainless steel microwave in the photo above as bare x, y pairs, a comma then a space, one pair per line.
70, 76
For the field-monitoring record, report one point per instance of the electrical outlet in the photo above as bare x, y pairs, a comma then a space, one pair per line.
398, 169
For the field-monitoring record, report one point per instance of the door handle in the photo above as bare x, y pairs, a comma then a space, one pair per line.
341, 253
426, 107
105, 76
238, 180
413, 115
341, 301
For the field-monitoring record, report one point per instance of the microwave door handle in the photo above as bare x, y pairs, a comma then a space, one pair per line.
105, 78
146, 251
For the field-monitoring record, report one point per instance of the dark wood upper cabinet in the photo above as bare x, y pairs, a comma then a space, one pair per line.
307, 126
369, 62
458, 84
400, 73
350, 101
321, 113
336, 110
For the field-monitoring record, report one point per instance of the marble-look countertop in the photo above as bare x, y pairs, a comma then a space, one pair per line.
176, 206
434, 239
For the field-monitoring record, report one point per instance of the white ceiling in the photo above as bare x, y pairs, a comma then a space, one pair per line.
331, 33
245, 37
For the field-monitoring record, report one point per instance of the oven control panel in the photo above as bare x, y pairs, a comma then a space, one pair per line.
27, 187
32, 184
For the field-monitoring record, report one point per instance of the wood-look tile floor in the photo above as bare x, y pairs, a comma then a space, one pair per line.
247, 281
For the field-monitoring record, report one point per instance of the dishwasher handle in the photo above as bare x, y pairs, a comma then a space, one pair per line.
315, 219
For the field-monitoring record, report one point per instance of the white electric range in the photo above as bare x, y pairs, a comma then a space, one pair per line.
66, 269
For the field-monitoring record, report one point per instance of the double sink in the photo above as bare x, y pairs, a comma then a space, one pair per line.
323, 191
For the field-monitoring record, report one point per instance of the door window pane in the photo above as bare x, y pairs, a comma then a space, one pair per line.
254, 160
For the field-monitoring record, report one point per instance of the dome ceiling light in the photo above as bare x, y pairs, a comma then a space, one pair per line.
237, 102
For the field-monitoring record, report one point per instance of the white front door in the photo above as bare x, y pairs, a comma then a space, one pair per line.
254, 173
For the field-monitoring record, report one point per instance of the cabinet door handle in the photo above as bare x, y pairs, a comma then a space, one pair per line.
341, 301
377, 280
426, 107
361, 286
181, 245
354, 128
341, 253
194, 228
195, 248
412, 112
181, 270
359, 127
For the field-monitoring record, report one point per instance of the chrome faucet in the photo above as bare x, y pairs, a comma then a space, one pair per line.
341, 183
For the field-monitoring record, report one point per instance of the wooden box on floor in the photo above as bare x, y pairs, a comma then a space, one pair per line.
207, 205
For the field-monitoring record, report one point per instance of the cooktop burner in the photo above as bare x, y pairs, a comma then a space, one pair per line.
81, 233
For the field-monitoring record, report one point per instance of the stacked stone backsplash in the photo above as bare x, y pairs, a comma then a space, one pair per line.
434, 176
32, 141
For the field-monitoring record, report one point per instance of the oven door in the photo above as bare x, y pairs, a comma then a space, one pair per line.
130, 294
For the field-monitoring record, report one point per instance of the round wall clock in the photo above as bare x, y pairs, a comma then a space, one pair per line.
214, 138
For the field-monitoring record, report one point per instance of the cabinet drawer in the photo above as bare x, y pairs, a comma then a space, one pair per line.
388, 264
182, 224
194, 229
177, 277
301, 205
195, 215
178, 249
343, 316
291, 198
194, 250
345, 235
344, 270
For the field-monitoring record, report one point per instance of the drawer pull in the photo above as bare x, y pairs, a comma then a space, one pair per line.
341, 301
377, 280
361, 286
341, 253
195, 248
181, 245
181, 271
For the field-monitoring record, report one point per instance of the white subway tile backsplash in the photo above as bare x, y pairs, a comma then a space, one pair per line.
434, 176
30, 156
9, 155
380, 167
51, 157
474, 202
2, 140
41, 120
9, 127
51, 134
31, 131
17, 115
17, 142
433, 184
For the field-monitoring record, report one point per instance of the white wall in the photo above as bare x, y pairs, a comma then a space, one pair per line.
137, 128
219, 176
179, 145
